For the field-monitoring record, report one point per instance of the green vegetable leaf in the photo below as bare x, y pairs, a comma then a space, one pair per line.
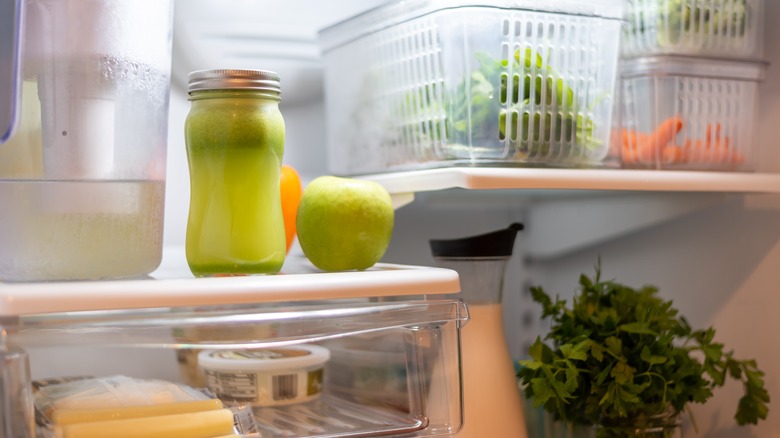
528, 58
638, 327
649, 358
614, 345
618, 352
622, 373
597, 351
578, 351
542, 390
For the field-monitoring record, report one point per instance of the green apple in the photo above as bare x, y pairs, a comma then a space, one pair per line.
344, 223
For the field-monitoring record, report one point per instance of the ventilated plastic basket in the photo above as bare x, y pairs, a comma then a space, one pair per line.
419, 84
720, 28
687, 113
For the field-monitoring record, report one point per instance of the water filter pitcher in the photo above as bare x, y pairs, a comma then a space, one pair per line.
84, 89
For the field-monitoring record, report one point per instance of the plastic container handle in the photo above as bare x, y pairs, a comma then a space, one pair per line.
11, 19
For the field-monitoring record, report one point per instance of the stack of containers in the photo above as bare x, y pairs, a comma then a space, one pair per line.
688, 85
434, 83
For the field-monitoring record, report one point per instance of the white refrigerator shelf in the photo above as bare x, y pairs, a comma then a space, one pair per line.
172, 285
402, 185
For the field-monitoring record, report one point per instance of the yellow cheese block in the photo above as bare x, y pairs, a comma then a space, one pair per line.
207, 424
73, 416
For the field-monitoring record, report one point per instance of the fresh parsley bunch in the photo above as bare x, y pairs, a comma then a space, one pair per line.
620, 353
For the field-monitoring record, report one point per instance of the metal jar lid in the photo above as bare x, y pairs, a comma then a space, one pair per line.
232, 79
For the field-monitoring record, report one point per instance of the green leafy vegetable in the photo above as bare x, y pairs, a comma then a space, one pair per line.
618, 352
676, 20
528, 104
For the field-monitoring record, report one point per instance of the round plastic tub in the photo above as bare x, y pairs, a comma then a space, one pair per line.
265, 377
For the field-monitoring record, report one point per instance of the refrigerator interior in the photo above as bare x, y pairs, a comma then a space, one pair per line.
716, 255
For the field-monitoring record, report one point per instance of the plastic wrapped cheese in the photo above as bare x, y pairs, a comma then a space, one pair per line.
121, 406
74, 416
206, 424
114, 392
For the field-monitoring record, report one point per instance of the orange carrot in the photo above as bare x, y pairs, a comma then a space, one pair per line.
673, 154
633, 139
737, 158
694, 150
723, 154
628, 155
716, 152
664, 133
630, 145
709, 137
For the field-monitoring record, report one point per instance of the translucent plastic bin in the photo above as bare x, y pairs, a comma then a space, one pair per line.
414, 338
720, 28
688, 113
419, 84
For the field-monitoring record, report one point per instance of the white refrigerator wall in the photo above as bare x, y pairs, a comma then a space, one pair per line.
717, 257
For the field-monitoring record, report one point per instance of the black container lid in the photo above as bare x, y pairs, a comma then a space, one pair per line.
493, 244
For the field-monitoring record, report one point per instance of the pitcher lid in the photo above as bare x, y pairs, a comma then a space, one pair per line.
493, 244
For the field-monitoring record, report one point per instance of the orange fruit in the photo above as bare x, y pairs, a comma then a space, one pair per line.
291, 191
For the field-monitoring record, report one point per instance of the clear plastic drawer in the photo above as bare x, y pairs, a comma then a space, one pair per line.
392, 363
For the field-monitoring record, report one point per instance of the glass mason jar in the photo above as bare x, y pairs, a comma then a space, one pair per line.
665, 425
234, 135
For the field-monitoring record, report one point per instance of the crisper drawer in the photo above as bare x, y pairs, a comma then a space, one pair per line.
688, 113
716, 28
422, 84
340, 366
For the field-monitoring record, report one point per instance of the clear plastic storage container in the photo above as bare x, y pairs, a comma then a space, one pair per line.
416, 84
677, 112
394, 311
721, 28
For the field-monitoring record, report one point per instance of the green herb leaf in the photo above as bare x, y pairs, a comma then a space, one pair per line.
641, 328
649, 358
618, 352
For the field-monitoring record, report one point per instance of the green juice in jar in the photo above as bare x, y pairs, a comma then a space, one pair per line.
235, 143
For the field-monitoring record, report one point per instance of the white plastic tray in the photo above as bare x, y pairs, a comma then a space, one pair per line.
172, 285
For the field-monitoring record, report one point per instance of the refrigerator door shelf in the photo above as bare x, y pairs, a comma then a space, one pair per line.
172, 285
